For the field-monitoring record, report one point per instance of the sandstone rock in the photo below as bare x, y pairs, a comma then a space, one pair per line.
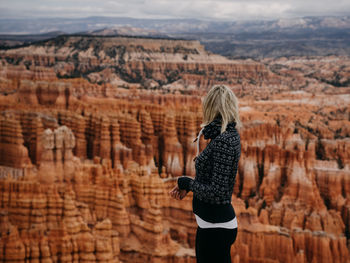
172, 149
87, 161
12, 151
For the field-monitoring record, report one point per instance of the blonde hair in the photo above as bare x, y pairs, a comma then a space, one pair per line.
221, 101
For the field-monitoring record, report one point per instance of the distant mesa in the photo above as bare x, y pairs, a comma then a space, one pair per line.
150, 62
301, 36
127, 31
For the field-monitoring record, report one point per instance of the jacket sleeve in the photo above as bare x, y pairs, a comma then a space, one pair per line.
224, 160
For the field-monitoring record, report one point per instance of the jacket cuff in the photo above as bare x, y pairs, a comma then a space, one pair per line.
184, 182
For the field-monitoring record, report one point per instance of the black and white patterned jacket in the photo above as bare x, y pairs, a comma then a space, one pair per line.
216, 169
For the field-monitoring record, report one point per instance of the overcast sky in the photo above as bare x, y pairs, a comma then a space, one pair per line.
202, 9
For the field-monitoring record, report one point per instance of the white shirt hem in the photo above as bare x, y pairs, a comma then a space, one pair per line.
204, 224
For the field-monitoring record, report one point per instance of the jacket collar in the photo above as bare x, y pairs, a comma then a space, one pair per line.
213, 129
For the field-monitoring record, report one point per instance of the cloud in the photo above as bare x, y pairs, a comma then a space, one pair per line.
202, 9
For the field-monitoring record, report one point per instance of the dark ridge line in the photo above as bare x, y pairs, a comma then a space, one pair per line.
43, 41
47, 34
125, 36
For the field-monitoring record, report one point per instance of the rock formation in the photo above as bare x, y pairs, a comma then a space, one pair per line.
94, 132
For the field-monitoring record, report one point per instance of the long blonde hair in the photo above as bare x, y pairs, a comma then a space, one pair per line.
221, 101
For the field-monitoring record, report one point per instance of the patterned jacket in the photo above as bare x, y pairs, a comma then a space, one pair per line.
216, 169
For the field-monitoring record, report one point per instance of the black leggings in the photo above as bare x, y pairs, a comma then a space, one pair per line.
213, 245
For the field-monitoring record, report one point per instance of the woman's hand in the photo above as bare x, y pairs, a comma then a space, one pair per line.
177, 193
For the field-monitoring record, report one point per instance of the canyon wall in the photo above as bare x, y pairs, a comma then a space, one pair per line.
91, 144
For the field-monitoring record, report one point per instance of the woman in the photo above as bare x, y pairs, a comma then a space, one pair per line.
216, 168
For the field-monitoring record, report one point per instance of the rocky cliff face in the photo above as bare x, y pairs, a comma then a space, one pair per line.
114, 60
87, 162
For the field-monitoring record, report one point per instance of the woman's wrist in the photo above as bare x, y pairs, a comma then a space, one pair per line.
184, 183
